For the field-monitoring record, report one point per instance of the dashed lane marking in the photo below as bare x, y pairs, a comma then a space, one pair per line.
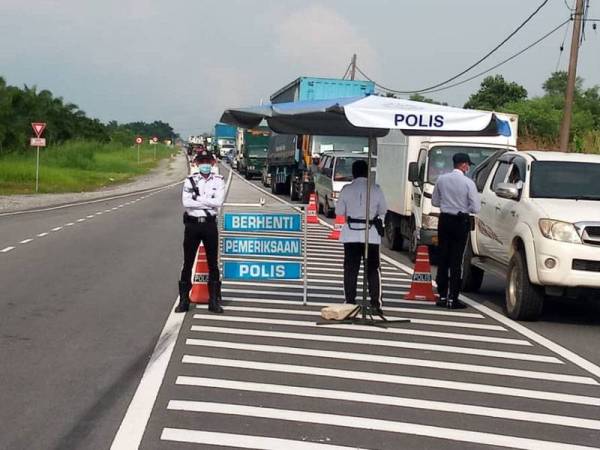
56, 228
42, 234
6, 249
25, 241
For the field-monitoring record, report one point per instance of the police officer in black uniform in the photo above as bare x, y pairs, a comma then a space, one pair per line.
203, 193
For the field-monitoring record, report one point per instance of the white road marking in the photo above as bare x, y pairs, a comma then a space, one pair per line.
243, 440
301, 294
70, 224
6, 249
107, 210
42, 234
114, 209
80, 220
388, 400
99, 213
91, 216
410, 332
25, 241
311, 303
311, 287
135, 421
56, 228
379, 377
381, 343
366, 423
535, 337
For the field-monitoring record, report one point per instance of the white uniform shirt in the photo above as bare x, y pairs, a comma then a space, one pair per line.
454, 192
212, 195
352, 203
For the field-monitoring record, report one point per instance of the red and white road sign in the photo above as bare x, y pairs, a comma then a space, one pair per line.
37, 142
154, 139
38, 128
139, 140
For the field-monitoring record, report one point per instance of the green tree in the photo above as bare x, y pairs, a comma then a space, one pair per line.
422, 98
494, 93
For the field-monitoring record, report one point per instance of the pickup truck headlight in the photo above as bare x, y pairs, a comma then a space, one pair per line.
430, 222
559, 231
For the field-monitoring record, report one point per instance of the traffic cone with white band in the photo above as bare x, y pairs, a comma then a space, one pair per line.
199, 292
311, 211
422, 286
337, 227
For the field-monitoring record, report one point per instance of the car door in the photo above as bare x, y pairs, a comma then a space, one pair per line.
321, 177
488, 240
507, 209
419, 187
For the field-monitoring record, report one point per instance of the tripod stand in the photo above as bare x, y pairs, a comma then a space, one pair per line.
363, 314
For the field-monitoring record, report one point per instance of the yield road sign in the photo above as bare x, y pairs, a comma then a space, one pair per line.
38, 128
37, 142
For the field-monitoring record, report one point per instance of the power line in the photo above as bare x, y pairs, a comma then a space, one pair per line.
477, 62
480, 73
561, 49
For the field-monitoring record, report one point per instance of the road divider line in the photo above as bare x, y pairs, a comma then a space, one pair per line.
382, 377
25, 241
388, 400
80, 220
131, 430
70, 224
42, 234
381, 343
56, 228
365, 423
243, 440
6, 249
410, 332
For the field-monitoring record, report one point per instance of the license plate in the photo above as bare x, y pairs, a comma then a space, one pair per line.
434, 240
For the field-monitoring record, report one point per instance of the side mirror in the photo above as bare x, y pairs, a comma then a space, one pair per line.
507, 190
413, 172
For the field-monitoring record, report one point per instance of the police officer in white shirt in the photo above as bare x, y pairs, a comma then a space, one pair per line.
457, 197
203, 193
352, 204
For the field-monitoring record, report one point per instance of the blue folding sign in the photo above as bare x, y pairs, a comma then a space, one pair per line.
261, 246
262, 222
261, 270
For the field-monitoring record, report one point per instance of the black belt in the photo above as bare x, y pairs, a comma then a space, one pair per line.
193, 219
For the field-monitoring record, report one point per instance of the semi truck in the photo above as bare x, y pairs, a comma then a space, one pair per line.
409, 166
253, 151
224, 139
292, 159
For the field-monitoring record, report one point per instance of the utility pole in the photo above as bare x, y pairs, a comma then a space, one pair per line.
565, 126
353, 67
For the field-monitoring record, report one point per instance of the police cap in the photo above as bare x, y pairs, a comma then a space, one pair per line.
459, 158
203, 155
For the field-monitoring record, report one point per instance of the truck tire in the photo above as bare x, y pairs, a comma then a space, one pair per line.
524, 300
327, 211
392, 238
247, 176
413, 241
294, 194
472, 275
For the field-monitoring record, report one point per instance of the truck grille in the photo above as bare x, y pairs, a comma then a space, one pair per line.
586, 265
591, 235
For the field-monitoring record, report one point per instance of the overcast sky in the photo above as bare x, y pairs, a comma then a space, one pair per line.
184, 61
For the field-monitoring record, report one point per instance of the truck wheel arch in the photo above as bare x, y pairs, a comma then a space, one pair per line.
523, 240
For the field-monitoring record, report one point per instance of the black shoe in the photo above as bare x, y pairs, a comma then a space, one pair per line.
184, 297
214, 292
182, 307
455, 304
215, 308
377, 311
442, 302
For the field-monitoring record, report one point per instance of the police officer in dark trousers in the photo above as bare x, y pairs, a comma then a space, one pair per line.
203, 193
352, 204
457, 197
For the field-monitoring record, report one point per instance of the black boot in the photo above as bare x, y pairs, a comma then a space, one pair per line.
214, 292
184, 297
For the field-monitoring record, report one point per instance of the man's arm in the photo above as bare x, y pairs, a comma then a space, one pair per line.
474, 199
381, 204
340, 206
436, 197
215, 198
204, 201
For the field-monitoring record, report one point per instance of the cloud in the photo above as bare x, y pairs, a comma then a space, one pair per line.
318, 41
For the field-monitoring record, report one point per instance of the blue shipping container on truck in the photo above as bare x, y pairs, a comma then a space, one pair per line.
311, 88
225, 131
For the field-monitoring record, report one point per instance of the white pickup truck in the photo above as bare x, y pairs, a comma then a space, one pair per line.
539, 227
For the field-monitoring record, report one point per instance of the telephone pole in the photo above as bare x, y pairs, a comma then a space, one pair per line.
353, 67
565, 126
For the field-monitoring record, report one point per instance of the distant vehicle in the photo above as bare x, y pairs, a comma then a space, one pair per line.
334, 172
225, 148
223, 139
409, 166
254, 152
539, 227
290, 158
266, 176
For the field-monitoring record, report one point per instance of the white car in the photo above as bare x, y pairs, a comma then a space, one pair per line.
539, 227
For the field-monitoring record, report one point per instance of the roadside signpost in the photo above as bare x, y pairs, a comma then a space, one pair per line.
138, 141
154, 141
241, 241
38, 141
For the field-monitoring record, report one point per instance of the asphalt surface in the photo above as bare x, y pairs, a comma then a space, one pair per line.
84, 306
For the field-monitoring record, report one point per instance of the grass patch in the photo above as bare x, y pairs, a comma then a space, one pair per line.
77, 166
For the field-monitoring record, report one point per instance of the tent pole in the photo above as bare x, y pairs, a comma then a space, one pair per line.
372, 149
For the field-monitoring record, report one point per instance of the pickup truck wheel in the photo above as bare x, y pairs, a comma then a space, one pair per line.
319, 204
524, 300
472, 276
329, 213
392, 238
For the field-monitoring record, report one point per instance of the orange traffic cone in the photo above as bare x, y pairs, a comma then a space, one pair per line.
337, 227
422, 287
199, 292
311, 211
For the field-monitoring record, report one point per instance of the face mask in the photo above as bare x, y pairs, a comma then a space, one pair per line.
204, 168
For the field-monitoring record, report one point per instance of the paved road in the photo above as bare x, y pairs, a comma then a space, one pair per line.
86, 303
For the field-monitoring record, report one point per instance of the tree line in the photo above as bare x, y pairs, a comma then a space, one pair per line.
19, 107
540, 116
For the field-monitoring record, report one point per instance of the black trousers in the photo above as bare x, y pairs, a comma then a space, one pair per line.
208, 234
353, 255
453, 231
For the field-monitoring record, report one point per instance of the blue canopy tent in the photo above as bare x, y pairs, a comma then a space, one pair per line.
371, 117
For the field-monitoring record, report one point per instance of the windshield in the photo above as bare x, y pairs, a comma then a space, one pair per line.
561, 179
257, 152
343, 168
322, 144
440, 159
